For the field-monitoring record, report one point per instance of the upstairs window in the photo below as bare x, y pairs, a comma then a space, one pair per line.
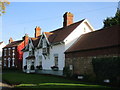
31, 53
9, 49
5, 52
44, 43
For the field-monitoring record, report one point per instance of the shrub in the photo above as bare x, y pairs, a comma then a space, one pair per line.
55, 68
39, 67
107, 68
25, 67
67, 72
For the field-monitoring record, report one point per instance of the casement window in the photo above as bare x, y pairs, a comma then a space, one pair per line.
13, 48
13, 61
40, 60
9, 62
9, 51
31, 53
84, 29
44, 43
56, 59
5, 62
5, 52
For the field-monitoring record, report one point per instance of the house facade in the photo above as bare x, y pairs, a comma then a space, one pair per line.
104, 43
2, 44
12, 55
49, 47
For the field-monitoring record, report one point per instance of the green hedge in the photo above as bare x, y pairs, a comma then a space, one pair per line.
107, 68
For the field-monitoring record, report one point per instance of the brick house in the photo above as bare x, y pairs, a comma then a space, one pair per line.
100, 43
12, 55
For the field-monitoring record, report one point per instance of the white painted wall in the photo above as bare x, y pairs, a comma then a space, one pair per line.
49, 60
25, 54
1, 46
76, 34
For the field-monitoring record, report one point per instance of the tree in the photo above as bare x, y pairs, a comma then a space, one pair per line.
110, 21
3, 4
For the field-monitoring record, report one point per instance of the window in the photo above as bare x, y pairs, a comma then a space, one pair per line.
44, 43
9, 51
13, 48
13, 60
40, 60
4, 61
84, 29
9, 62
5, 52
31, 53
56, 59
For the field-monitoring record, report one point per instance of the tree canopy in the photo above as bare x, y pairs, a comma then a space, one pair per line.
3, 4
110, 21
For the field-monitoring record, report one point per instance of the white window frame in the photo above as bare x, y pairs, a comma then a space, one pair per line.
56, 60
9, 51
5, 52
9, 59
5, 61
40, 60
13, 62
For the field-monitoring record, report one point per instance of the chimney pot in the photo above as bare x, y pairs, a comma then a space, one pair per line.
37, 31
68, 19
10, 40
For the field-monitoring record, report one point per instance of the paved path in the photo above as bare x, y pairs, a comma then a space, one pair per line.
4, 86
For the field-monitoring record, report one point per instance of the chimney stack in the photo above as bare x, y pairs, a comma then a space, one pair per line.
37, 31
68, 19
10, 40
25, 38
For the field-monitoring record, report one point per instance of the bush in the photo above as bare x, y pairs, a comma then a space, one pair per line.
25, 67
67, 72
39, 67
107, 68
55, 68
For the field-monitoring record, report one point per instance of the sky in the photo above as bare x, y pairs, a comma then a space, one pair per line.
22, 17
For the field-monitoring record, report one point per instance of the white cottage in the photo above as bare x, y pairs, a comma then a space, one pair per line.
45, 52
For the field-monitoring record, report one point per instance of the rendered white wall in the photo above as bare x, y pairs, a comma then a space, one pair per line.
76, 34
1, 46
25, 54
49, 61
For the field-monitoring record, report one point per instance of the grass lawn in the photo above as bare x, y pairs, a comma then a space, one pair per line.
21, 80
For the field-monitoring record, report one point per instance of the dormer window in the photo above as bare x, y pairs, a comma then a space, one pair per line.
31, 51
44, 43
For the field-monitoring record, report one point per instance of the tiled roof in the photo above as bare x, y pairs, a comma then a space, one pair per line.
35, 41
14, 43
61, 33
58, 35
1, 42
100, 38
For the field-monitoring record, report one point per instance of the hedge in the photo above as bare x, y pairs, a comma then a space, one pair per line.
107, 68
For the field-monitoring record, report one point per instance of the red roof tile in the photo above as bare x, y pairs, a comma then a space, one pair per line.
14, 43
101, 38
